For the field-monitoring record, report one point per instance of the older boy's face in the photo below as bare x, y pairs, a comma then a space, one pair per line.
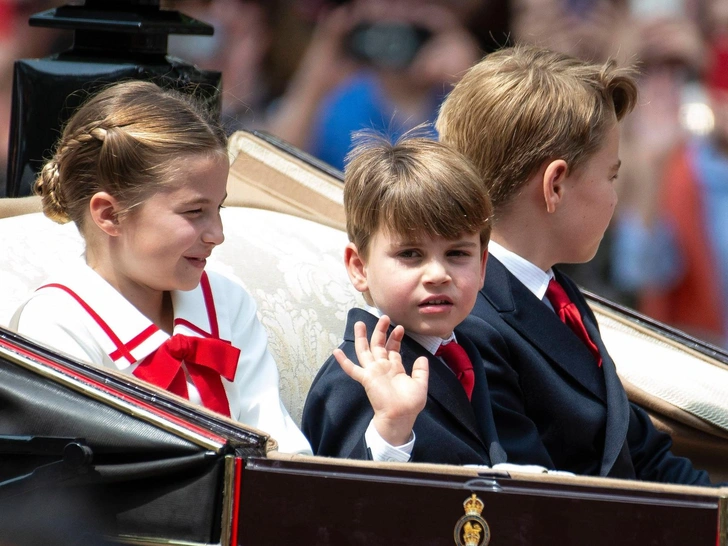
428, 285
589, 201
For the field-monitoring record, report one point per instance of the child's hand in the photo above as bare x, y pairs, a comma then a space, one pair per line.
396, 397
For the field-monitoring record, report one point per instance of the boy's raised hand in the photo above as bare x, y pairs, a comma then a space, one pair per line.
396, 397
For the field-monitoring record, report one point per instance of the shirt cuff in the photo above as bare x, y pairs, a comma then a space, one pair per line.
383, 451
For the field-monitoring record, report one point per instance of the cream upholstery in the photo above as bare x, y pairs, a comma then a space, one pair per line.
295, 270
293, 267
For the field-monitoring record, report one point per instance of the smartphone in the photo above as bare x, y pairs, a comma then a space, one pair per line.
389, 44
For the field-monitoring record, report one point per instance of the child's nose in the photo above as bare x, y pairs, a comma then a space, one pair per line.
436, 272
213, 234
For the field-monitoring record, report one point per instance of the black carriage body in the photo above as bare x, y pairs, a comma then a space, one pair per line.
162, 471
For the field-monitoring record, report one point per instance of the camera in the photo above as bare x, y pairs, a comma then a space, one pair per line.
391, 45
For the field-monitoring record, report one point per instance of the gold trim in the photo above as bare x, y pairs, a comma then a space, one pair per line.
618, 317
722, 521
228, 491
110, 400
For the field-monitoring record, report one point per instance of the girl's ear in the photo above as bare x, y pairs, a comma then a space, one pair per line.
104, 210
553, 184
356, 268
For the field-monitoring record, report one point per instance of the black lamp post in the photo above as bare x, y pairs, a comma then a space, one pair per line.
114, 40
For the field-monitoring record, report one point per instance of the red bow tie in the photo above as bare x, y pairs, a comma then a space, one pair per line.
206, 359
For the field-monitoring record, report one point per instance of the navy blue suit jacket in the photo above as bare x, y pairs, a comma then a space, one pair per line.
548, 389
450, 429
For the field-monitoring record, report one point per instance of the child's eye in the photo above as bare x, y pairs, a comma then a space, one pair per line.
193, 211
408, 254
458, 253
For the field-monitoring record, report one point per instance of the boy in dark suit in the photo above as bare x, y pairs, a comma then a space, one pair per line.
551, 181
418, 221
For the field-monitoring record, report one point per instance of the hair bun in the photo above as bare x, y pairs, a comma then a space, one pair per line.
48, 186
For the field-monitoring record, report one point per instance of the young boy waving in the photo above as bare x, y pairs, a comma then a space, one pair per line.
418, 221
542, 129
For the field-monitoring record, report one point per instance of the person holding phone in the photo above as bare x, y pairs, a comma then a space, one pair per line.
374, 64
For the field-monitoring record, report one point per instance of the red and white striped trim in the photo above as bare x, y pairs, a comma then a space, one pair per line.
124, 350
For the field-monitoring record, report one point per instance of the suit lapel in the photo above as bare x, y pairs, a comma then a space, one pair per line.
443, 388
481, 403
541, 327
617, 402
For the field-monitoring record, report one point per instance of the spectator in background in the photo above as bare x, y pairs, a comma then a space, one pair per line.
239, 49
382, 64
8, 51
18, 41
673, 239
586, 29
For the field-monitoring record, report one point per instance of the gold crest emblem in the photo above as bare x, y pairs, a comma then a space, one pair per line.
472, 529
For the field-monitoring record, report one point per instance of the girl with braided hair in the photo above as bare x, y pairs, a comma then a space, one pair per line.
142, 172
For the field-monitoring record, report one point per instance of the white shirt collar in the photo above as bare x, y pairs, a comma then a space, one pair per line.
430, 343
535, 279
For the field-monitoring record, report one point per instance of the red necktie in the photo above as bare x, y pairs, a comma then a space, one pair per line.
206, 360
457, 359
569, 315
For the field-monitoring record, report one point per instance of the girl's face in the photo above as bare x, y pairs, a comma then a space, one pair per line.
163, 243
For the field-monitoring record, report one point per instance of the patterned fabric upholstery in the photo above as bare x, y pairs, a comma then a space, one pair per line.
293, 267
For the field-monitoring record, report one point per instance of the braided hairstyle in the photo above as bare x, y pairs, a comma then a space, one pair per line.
128, 141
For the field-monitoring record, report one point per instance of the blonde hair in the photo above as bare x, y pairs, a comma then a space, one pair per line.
413, 187
524, 105
128, 141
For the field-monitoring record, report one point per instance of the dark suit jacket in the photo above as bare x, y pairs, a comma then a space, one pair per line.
547, 386
450, 429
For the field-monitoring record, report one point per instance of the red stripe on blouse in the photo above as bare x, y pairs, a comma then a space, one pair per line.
210, 305
120, 347
136, 341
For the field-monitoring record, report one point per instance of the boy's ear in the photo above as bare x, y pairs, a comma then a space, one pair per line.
483, 263
553, 183
104, 210
356, 268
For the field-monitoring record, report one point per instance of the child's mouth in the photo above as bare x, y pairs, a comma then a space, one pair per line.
196, 262
435, 305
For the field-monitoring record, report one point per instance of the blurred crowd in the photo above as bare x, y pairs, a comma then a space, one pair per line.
313, 71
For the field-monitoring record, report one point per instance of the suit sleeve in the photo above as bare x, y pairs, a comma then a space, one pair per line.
517, 432
651, 455
337, 412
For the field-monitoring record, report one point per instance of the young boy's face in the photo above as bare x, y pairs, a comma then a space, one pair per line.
589, 202
428, 285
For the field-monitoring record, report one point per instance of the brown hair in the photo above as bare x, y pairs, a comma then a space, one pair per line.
126, 140
524, 105
415, 186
